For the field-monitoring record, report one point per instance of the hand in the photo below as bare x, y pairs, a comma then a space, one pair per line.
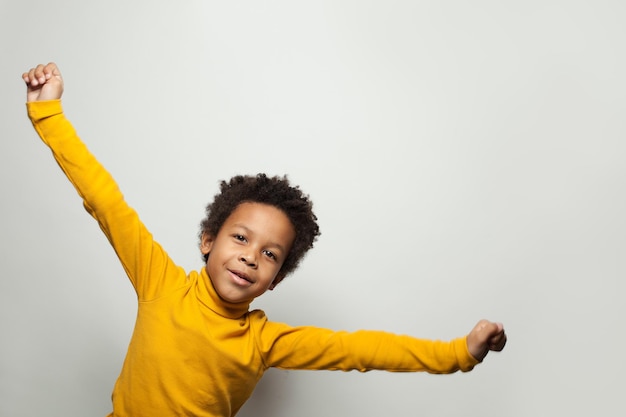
44, 82
486, 336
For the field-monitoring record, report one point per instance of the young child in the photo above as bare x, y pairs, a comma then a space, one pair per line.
197, 349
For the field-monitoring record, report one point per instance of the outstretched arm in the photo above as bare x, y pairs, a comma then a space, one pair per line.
306, 347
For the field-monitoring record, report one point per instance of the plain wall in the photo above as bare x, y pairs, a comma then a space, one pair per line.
466, 160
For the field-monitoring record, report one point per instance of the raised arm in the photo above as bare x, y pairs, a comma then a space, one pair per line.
144, 261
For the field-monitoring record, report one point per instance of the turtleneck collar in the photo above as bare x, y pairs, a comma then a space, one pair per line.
211, 299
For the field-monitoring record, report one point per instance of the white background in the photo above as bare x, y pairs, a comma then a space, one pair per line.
466, 160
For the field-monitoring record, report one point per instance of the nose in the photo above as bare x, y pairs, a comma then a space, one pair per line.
249, 259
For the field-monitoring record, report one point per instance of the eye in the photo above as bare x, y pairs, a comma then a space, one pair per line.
270, 255
240, 238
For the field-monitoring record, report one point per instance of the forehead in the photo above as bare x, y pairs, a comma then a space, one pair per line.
264, 221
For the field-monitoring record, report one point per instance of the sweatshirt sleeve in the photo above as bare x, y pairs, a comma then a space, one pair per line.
140, 255
315, 349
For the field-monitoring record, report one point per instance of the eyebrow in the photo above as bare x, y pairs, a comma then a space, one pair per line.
250, 231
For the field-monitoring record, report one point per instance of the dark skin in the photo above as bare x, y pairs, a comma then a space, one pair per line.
44, 82
276, 192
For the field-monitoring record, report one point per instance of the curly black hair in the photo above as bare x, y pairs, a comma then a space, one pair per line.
275, 191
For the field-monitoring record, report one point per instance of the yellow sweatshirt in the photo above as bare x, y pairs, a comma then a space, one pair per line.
192, 353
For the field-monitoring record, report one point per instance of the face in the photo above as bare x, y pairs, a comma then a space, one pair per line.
248, 251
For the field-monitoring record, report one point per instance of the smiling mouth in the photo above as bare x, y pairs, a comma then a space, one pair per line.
241, 277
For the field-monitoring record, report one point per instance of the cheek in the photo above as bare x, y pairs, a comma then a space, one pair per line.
271, 272
212, 264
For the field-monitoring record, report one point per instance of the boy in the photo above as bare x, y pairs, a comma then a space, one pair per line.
197, 349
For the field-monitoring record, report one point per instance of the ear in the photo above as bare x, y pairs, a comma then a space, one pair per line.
206, 243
